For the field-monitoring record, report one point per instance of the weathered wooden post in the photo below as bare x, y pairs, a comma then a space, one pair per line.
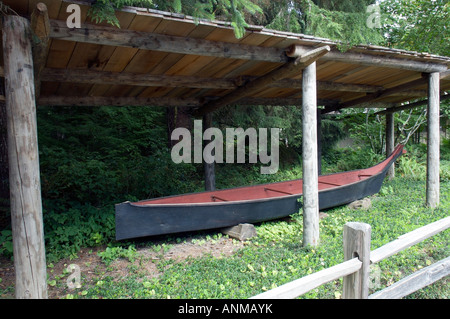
309, 158
390, 140
357, 244
319, 142
40, 24
210, 176
433, 140
25, 188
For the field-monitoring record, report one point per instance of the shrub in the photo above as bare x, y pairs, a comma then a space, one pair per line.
67, 230
409, 167
6, 245
356, 158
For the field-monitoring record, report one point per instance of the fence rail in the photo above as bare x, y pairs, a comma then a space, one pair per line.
356, 268
301, 286
409, 239
416, 281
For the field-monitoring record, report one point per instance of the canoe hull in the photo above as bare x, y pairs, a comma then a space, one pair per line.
140, 221
174, 214
346, 194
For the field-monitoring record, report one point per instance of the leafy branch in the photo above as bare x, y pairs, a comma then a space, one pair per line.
229, 10
105, 10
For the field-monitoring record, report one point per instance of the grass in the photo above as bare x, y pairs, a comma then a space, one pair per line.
276, 255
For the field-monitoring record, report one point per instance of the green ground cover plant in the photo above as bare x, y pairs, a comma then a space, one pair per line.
276, 255
96, 157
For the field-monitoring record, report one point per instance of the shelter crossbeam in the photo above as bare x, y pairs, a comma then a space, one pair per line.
161, 58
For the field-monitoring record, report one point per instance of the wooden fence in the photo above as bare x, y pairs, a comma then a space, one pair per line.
356, 267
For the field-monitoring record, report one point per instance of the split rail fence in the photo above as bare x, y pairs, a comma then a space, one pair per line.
355, 269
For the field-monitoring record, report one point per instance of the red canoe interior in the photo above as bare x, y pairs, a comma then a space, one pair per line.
293, 187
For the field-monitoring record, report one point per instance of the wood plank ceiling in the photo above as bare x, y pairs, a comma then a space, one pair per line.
159, 58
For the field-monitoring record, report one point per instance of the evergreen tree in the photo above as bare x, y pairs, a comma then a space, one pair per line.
228, 10
344, 21
418, 25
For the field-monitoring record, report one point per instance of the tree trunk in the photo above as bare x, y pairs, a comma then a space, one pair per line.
178, 116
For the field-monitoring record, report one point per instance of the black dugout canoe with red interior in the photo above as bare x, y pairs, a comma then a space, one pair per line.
249, 204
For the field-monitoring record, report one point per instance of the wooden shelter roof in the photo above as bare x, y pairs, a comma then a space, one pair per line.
161, 58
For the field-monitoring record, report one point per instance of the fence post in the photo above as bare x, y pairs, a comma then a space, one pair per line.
357, 244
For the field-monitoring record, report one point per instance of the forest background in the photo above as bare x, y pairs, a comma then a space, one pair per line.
93, 158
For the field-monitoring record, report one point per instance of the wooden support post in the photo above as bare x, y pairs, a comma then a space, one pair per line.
433, 141
40, 25
210, 175
4, 170
319, 142
25, 188
357, 244
390, 140
309, 158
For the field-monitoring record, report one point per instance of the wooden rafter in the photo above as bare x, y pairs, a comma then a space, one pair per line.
284, 101
125, 78
159, 42
186, 45
372, 60
58, 100
409, 106
295, 65
378, 95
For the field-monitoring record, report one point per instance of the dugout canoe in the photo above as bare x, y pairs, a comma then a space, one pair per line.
249, 204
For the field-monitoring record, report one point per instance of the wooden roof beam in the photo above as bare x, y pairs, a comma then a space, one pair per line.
264, 81
372, 60
284, 101
378, 95
102, 35
124, 78
409, 106
136, 79
59, 100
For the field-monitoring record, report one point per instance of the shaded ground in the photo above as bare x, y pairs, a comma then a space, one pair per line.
92, 267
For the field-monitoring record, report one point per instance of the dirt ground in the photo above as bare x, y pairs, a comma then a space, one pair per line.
91, 264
